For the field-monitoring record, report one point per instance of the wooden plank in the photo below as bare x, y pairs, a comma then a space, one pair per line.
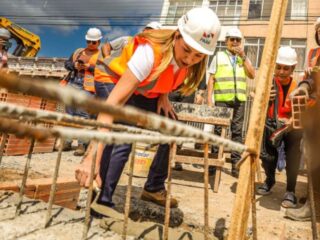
241, 208
199, 160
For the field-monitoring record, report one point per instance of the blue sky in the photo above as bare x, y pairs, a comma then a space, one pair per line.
62, 24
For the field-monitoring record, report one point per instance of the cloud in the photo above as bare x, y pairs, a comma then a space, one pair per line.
67, 16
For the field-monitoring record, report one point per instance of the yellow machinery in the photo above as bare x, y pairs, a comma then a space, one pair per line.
28, 43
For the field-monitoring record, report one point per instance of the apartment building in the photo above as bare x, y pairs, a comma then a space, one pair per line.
252, 17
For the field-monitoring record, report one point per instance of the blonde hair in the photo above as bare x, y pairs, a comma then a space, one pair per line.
165, 38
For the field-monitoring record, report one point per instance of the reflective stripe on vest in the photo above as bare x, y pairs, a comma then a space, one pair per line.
103, 73
228, 84
88, 79
114, 66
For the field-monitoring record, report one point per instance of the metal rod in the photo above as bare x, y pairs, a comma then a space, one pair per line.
253, 199
72, 97
128, 196
206, 191
62, 118
54, 184
3, 144
24, 178
87, 216
172, 154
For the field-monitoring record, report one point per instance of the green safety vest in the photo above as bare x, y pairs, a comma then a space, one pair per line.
230, 82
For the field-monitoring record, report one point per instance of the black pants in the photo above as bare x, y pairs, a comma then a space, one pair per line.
236, 125
269, 157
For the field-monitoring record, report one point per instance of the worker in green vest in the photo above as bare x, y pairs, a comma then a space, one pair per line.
227, 86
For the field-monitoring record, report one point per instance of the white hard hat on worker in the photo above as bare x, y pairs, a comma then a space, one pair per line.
287, 56
234, 32
153, 25
93, 34
200, 29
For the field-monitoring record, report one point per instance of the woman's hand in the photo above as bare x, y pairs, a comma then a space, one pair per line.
82, 171
165, 106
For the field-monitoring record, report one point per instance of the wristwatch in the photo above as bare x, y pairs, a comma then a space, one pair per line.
244, 58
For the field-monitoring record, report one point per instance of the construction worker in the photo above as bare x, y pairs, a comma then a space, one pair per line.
103, 85
276, 131
311, 140
81, 65
308, 88
4, 37
151, 66
227, 85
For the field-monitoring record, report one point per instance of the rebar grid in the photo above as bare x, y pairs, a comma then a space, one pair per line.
179, 134
72, 97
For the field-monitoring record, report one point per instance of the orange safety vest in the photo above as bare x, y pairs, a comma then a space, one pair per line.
284, 105
88, 79
111, 68
313, 55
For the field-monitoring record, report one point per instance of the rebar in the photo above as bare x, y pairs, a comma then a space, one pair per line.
25, 177
89, 198
172, 153
38, 114
53, 185
128, 195
206, 191
3, 145
72, 97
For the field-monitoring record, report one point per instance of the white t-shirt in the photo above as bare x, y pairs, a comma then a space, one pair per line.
141, 62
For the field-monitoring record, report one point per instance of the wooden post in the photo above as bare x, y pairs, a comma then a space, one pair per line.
241, 208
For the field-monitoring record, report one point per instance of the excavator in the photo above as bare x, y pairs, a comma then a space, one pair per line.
23, 60
28, 43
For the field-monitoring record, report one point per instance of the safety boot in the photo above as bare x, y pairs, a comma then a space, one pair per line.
80, 151
300, 214
158, 198
66, 146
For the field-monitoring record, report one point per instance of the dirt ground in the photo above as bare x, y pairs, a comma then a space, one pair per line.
187, 187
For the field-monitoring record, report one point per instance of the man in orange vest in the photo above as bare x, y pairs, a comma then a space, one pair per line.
279, 116
81, 65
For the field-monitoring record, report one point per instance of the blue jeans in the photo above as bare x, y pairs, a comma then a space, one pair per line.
78, 112
115, 157
103, 90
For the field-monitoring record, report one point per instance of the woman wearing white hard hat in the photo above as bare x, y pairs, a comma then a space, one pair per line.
278, 117
81, 66
149, 68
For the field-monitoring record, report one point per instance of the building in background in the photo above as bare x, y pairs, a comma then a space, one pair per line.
252, 17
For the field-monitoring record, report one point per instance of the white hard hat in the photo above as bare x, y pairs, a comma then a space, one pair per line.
93, 34
4, 33
234, 32
200, 29
154, 25
287, 56
317, 24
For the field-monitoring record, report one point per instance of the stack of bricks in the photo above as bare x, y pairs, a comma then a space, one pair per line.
299, 104
20, 146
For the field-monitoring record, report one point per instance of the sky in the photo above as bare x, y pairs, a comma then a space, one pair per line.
62, 24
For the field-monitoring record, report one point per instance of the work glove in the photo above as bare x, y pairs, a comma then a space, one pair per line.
302, 90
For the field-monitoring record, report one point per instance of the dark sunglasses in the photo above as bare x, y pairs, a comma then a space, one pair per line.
235, 39
285, 68
91, 42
